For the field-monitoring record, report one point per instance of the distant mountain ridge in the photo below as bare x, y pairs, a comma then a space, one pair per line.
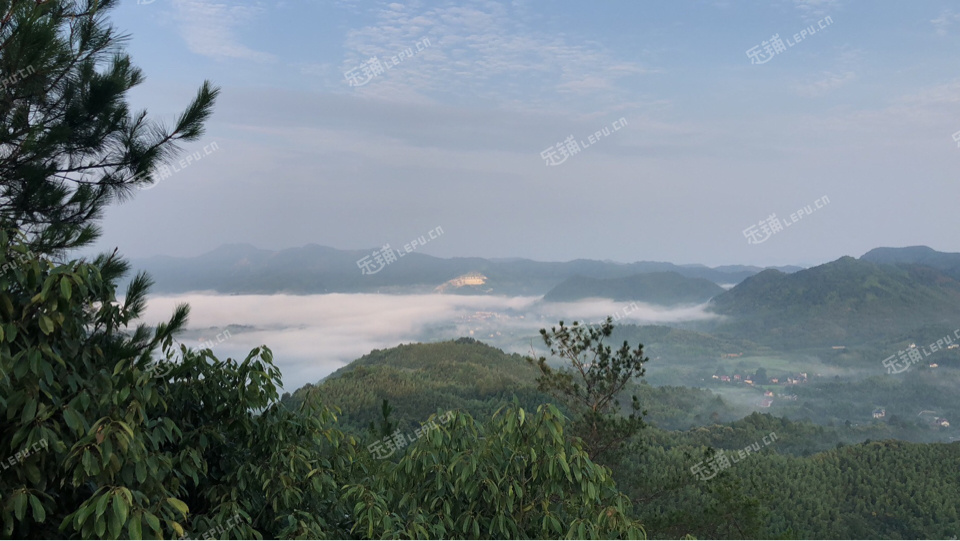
842, 302
241, 268
663, 288
946, 262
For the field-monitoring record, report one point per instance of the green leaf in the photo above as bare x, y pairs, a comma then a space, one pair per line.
46, 324
115, 525
102, 502
179, 505
134, 528
65, 288
20, 505
152, 521
73, 419
29, 411
39, 515
120, 508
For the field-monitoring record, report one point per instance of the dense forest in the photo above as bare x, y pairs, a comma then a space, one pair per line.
113, 428
814, 481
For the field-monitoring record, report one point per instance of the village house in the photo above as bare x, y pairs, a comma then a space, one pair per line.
879, 413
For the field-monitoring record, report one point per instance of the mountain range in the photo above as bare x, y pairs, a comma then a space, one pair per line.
244, 269
888, 292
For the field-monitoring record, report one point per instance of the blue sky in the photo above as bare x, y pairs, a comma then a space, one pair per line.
861, 111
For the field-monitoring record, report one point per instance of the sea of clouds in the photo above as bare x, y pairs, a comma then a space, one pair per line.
313, 335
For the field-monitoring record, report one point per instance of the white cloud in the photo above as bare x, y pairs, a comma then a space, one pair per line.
943, 23
313, 335
209, 28
484, 50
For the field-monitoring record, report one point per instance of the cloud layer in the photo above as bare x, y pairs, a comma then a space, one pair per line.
313, 335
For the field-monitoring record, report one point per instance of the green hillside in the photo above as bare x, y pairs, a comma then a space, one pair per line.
419, 379
811, 482
845, 302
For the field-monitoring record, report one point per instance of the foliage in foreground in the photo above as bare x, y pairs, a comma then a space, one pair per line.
186, 444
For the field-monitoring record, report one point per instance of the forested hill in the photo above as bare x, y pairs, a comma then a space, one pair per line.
419, 379
847, 301
809, 482
663, 288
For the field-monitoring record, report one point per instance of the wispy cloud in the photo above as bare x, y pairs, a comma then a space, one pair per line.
829, 81
816, 8
209, 28
484, 47
946, 20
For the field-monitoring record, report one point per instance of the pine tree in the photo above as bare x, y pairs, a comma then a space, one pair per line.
590, 384
69, 144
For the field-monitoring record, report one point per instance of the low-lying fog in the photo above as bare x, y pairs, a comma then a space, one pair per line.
313, 335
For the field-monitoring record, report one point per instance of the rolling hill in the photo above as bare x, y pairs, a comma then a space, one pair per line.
464, 374
844, 302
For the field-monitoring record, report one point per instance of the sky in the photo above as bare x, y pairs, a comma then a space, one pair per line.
321, 136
